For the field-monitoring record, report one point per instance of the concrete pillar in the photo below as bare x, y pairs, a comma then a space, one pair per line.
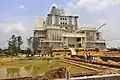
76, 43
95, 36
82, 44
66, 41
76, 23
73, 21
56, 20
61, 34
53, 20
70, 20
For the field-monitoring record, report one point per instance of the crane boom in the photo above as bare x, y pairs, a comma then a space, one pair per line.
101, 26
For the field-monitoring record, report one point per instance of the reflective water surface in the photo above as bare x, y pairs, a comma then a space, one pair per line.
19, 72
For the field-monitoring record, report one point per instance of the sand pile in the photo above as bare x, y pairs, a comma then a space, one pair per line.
112, 62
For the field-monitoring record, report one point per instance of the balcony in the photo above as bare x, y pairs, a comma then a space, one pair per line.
73, 35
96, 41
57, 41
41, 35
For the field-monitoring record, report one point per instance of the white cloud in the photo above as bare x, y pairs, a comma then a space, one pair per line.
93, 5
113, 43
21, 6
15, 28
101, 21
2, 25
18, 29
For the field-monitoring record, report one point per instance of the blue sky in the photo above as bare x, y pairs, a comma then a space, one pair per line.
18, 16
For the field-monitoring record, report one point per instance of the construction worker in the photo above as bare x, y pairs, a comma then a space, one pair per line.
91, 58
85, 57
88, 56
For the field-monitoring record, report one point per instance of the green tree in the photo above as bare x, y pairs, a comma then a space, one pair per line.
14, 44
20, 42
35, 45
28, 52
29, 42
1, 50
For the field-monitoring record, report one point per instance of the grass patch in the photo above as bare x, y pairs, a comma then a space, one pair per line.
37, 67
43, 64
3, 57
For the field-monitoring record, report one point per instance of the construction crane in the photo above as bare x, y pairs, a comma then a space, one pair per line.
101, 26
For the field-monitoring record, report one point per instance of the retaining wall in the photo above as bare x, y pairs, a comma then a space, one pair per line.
102, 77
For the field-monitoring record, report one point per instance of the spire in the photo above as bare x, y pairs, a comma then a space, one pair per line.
57, 11
62, 12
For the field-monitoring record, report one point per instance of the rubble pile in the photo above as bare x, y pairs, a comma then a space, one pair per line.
56, 74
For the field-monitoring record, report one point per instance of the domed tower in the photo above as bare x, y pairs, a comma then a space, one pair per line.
54, 10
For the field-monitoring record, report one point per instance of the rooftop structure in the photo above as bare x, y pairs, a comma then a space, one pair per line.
61, 30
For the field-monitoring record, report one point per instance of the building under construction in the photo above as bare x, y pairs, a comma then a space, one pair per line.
59, 29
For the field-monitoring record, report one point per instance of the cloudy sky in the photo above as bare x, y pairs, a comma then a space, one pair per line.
18, 16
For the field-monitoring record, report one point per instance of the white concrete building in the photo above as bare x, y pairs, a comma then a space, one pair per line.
61, 30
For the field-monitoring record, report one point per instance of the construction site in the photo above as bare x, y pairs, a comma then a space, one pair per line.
66, 52
60, 35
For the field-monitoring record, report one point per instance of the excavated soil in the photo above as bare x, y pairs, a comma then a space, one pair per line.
106, 58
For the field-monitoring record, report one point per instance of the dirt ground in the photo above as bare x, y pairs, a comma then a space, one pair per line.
8, 59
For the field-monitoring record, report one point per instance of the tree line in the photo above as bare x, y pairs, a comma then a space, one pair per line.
15, 43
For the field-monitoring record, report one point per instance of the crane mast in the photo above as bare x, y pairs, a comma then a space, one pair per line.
101, 26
